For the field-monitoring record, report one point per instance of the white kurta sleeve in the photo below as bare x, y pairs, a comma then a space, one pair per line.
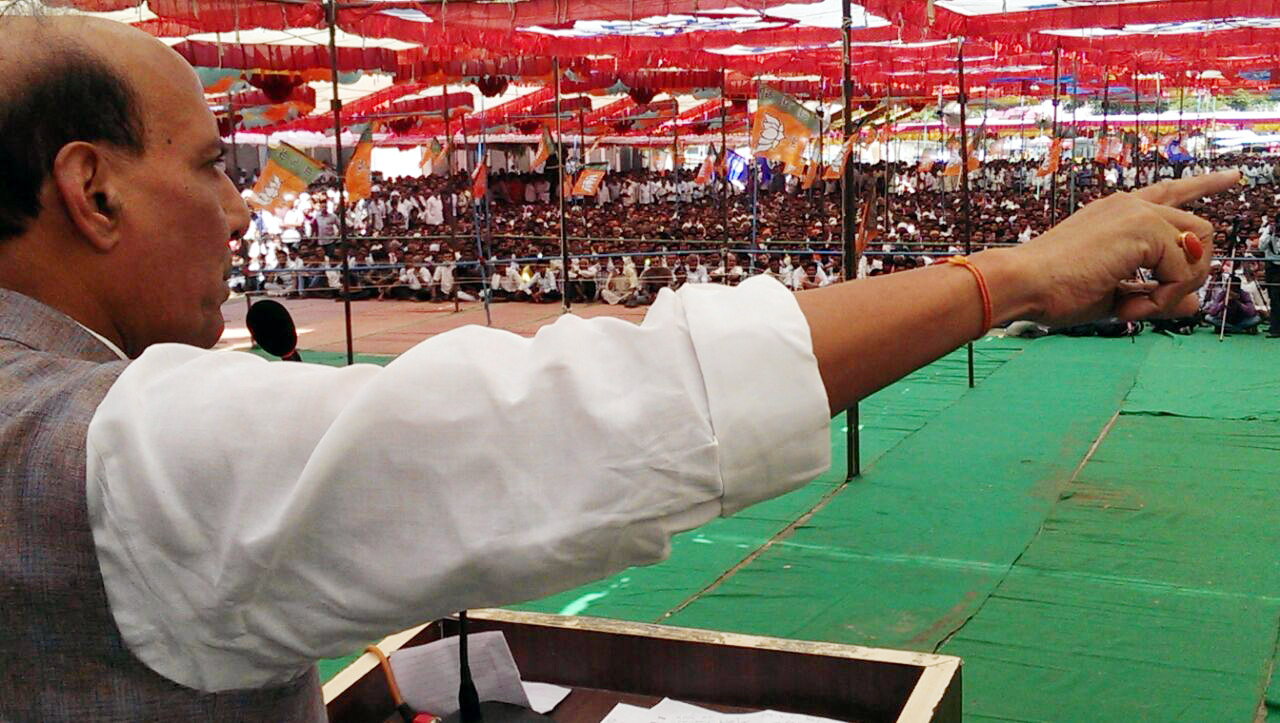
253, 516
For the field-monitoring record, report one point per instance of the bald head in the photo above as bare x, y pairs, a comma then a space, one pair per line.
71, 78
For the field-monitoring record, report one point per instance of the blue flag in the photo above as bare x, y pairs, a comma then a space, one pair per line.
1173, 151
765, 173
737, 168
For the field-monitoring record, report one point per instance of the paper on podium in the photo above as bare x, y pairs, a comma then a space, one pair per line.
544, 697
428, 674
673, 711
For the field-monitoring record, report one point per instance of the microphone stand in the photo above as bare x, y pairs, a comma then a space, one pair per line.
471, 709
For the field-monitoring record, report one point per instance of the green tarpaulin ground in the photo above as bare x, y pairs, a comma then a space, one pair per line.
1144, 587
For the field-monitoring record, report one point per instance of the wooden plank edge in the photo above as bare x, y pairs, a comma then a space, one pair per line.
361, 666
936, 695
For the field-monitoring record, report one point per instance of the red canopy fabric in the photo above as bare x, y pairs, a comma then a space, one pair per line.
649, 47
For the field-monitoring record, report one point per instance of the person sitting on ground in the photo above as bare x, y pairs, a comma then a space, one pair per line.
652, 280
408, 284
543, 286
1232, 310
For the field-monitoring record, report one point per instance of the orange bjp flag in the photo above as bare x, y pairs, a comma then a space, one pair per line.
429, 156
835, 170
781, 128
864, 233
479, 182
708, 169
810, 174
1100, 156
588, 183
926, 162
543, 151
359, 176
1051, 159
288, 171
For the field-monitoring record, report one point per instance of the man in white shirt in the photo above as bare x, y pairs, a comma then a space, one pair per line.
543, 286
225, 563
696, 271
433, 215
647, 192
729, 271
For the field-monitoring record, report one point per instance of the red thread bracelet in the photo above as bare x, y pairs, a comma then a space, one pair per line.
982, 290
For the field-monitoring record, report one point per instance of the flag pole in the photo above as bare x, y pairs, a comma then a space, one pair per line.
888, 115
1106, 110
1053, 182
451, 209
724, 159
814, 188
331, 13
582, 161
483, 212
964, 179
564, 235
1137, 128
675, 160
1075, 127
1182, 94
848, 213
754, 178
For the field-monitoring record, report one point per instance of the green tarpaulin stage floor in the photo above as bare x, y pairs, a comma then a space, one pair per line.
1135, 580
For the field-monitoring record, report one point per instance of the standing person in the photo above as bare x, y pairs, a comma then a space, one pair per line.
326, 228
1269, 245
158, 564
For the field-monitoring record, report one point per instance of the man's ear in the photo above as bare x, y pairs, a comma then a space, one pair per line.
83, 178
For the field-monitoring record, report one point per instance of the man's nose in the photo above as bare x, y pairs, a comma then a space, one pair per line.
237, 211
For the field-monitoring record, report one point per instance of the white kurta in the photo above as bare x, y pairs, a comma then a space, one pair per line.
479, 468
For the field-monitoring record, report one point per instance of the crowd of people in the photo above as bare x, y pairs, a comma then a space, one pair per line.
424, 238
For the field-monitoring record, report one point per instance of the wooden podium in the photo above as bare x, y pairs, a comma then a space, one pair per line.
610, 661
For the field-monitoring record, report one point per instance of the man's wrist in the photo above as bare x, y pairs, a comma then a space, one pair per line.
1015, 286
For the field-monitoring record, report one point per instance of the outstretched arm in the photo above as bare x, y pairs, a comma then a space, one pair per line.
870, 333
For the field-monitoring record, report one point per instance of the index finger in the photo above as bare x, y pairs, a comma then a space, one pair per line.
1176, 193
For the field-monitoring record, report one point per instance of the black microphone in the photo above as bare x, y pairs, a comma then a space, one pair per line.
272, 328
471, 708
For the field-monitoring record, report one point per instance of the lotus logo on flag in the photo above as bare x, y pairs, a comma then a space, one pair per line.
288, 170
359, 177
588, 183
782, 127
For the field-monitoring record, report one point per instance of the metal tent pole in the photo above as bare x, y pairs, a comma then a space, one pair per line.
1137, 129
1053, 182
564, 235
888, 113
483, 212
964, 179
582, 162
1182, 95
848, 221
675, 161
331, 15
723, 172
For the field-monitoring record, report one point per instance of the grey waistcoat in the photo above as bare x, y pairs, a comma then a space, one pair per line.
61, 656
